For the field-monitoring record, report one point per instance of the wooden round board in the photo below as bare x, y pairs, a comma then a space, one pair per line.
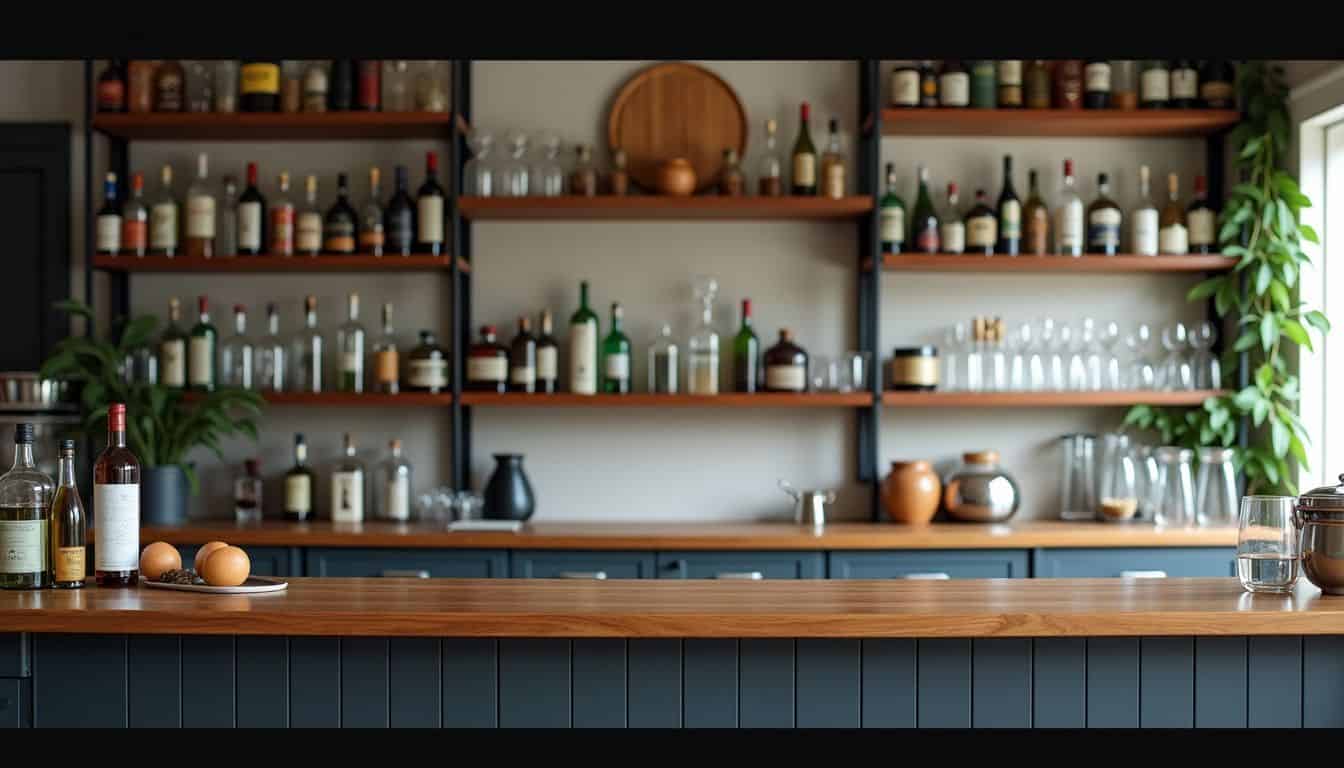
676, 110
253, 585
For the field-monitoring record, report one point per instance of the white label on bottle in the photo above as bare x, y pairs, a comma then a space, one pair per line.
905, 87
1173, 240
1010, 72
109, 233
163, 226
487, 369
1184, 83
1103, 228
1153, 85
249, 226
308, 232
1200, 222
349, 362
804, 169
430, 223
953, 236
617, 366
1097, 76
397, 498
347, 497
1010, 219
427, 373
546, 364
583, 358
172, 363
201, 217
954, 89
523, 375
116, 526
1144, 231
981, 231
298, 493
22, 543
1069, 226
891, 221
201, 365
792, 378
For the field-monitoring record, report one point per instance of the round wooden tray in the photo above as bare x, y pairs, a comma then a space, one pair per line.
676, 110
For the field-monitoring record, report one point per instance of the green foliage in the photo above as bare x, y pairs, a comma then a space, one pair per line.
161, 427
1260, 226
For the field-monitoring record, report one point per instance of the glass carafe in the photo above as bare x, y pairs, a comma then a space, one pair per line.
954, 357
478, 173
1077, 500
1119, 495
702, 369
1216, 487
513, 173
548, 176
1174, 496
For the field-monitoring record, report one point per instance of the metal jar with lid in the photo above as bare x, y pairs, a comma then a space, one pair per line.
979, 491
914, 368
1320, 516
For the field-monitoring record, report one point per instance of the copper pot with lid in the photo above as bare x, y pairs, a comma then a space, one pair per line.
1319, 515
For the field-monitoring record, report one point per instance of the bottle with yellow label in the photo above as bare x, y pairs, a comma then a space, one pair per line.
67, 521
259, 86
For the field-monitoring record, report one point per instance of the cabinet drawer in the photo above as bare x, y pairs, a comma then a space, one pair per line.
16, 703
549, 564
424, 563
1114, 563
741, 565
266, 561
950, 564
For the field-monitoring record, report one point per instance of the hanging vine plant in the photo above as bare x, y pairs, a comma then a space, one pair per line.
1260, 226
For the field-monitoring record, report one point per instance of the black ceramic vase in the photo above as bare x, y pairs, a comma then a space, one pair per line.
508, 495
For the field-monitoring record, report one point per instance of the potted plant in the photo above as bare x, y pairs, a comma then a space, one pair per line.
162, 426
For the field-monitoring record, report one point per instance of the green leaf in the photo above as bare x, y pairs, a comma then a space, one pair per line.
1246, 398
1227, 293
1262, 278
1294, 330
1308, 233
1271, 471
1299, 452
1279, 292
1259, 412
1245, 342
1264, 377
1289, 272
1249, 190
1287, 221
1205, 289
1216, 420
1317, 320
1269, 331
1279, 437
1252, 146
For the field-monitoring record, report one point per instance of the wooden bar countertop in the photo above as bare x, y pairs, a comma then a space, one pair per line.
698, 536
696, 608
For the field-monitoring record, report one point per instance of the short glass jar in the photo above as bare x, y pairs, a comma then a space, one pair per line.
914, 368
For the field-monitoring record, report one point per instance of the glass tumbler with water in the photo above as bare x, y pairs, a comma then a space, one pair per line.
1267, 545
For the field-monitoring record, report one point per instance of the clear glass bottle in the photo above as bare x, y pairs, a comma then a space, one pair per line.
200, 87
583, 179
226, 85
1216, 496
1069, 228
431, 87
163, 218
347, 486
702, 368
247, 494
386, 362
771, 181
25, 497
68, 523
236, 354
663, 365
1078, 487
201, 228
226, 234
513, 172
307, 348
1143, 221
548, 176
394, 485
833, 184
1174, 498
270, 355
478, 173
350, 348
371, 235
397, 86
1146, 466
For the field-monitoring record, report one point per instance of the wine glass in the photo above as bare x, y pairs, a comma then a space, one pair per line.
1036, 372
479, 171
1176, 373
1109, 338
1142, 372
1090, 348
1051, 342
513, 172
548, 176
1072, 350
1019, 361
1208, 372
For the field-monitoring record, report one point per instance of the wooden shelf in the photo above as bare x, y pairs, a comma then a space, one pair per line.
336, 262
257, 126
1042, 399
662, 207
956, 262
362, 399
644, 399
1057, 122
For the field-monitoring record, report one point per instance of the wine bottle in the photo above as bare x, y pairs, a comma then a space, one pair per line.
583, 331
108, 230
68, 524
523, 358
386, 362
487, 363
251, 215
1038, 91
399, 217
348, 486
771, 182
785, 365
616, 363
282, 221
891, 216
833, 164
924, 225
308, 226
371, 233
200, 213
1154, 84
429, 209
299, 485
1215, 85
341, 86
1069, 230
952, 230
981, 226
746, 354
201, 350
1103, 220
350, 347
163, 217
112, 87
1009, 83
1201, 220
984, 91
25, 498
1172, 236
548, 357
173, 350
1097, 84
338, 230
928, 84
135, 219
1144, 219
1035, 220
1069, 84
116, 507
804, 157
1010, 213
1184, 87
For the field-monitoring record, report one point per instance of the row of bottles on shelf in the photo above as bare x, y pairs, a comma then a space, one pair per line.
291, 86
1064, 84
1012, 227
226, 223
350, 487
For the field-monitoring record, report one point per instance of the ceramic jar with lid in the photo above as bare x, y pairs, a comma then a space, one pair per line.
979, 491
911, 492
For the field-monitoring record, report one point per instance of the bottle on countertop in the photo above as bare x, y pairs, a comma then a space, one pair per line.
1154, 84
386, 358
170, 85
116, 507
1201, 220
833, 165
112, 87
785, 365
616, 362
259, 86
1173, 238
523, 358
399, 217
583, 347
429, 209
981, 226
394, 485
1070, 233
307, 351
247, 493
282, 221
746, 354
924, 229
252, 215
341, 223
237, 355
173, 349
1143, 221
891, 216
771, 181
1009, 77
1069, 84
163, 217
135, 219
371, 233
1104, 220
952, 230
427, 366
270, 355
905, 85
487, 363
1184, 88
108, 230
804, 156
348, 487
299, 482
350, 349
954, 84
201, 350
548, 357
1097, 84
984, 88
1035, 220
1009, 213
68, 525
25, 502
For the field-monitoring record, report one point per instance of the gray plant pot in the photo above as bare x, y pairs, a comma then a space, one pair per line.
163, 495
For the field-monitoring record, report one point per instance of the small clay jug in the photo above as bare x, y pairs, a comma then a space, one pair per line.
676, 177
910, 493
508, 495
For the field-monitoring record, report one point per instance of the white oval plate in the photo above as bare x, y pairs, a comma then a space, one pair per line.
253, 585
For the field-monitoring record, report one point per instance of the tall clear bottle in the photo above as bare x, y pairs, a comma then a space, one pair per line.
1069, 228
702, 372
663, 365
583, 337
308, 224
236, 353
386, 359
1143, 221
25, 497
771, 181
201, 213
135, 219
271, 355
116, 507
371, 217
394, 485
350, 348
308, 351
173, 349
68, 524
163, 216
347, 486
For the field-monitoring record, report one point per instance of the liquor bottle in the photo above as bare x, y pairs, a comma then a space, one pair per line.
386, 359
225, 77
108, 231
112, 87
259, 86
785, 365
952, 230
984, 90
1038, 91
338, 230
315, 87
954, 85
135, 219
247, 494
583, 331
291, 87
1124, 85
833, 164
236, 354
1215, 84
1154, 84
170, 87
371, 217
116, 507
252, 214
25, 499
746, 354
200, 228
1200, 220
981, 226
201, 350
163, 217
397, 86
347, 486
616, 362
1097, 84
394, 485
307, 352
891, 216
429, 209
771, 182
523, 358
1009, 212
702, 368
804, 156
1103, 220
1172, 236
1035, 220
341, 86
308, 226
664, 368
399, 218
140, 85
732, 182
1143, 221
905, 85
487, 363
282, 220
1184, 88
350, 349
1069, 84
68, 524
270, 354
1069, 230
924, 234
583, 179
368, 85
426, 366
226, 223
928, 84
299, 481
1010, 83
173, 350
548, 357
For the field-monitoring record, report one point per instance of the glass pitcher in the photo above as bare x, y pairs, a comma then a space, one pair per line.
1174, 497
1078, 492
1216, 487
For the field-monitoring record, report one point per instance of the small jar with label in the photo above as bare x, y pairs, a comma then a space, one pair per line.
426, 366
1069, 84
954, 85
487, 363
914, 369
1037, 85
905, 85
785, 365
1009, 83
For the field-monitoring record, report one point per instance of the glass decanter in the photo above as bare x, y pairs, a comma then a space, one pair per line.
548, 176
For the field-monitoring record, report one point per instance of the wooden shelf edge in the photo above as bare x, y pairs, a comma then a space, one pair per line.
644, 399
574, 207
353, 399
1174, 123
280, 126
335, 262
1044, 399
1091, 263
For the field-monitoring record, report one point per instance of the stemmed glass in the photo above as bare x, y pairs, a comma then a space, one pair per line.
514, 172
1176, 373
479, 171
1071, 341
1109, 337
1054, 348
548, 176
1208, 372
1089, 346
1020, 360
1036, 372
1142, 373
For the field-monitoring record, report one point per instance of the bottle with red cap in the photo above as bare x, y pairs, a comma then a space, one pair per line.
488, 363
1069, 230
746, 354
116, 507
1200, 220
135, 219
804, 156
429, 209
251, 216
201, 350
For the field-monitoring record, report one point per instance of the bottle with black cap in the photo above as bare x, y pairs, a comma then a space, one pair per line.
68, 524
25, 495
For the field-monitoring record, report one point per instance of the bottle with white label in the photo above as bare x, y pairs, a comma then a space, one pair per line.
108, 231
298, 506
1173, 239
307, 351
523, 358
201, 350
891, 216
1069, 229
548, 357
252, 214
951, 228
981, 226
1103, 221
427, 366
1154, 84
236, 354
1184, 87
116, 507
1143, 220
702, 367
25, 496
347, 486
135, 219
1201, 220
163, 217
487, 363
1009, 77
429, 209
905, 85
200, 230
173, 350
1009, 213
350, 349
954, 85
616, 362
1097, 84
785, 365
394, 485
583, 331
308, 224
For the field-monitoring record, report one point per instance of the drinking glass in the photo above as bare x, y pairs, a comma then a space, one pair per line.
855, 369
479, 171
1056, 379
468, 505
1216, 487
1106, 448
200, 87
998, 366
1142, 372
548, 176
1208, 372
822, 373
975, 365
954, 357
513, 172
1019, 357
1174, 498
1267, 545
1036, 356
1146, 465
1071, 343
1089, 345
1175, 374
1109, 338
1078, 489
1119, 496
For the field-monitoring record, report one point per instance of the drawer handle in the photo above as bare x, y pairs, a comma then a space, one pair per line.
409, 573
599, 575
1143, 574
748, 575
937, 576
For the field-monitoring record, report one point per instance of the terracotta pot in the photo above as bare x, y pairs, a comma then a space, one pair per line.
911, 492
676, 177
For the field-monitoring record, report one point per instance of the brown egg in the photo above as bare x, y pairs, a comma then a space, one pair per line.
204, 552
226, 567
158, 558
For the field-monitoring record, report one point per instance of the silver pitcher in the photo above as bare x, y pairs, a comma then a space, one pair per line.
809, 507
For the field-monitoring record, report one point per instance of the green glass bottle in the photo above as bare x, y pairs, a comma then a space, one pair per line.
804, 157
924, 227
616, 357
201, 351
984, 84
583, 347
746, 354
891, 216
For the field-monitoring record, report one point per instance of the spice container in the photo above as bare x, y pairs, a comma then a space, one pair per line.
914, 368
